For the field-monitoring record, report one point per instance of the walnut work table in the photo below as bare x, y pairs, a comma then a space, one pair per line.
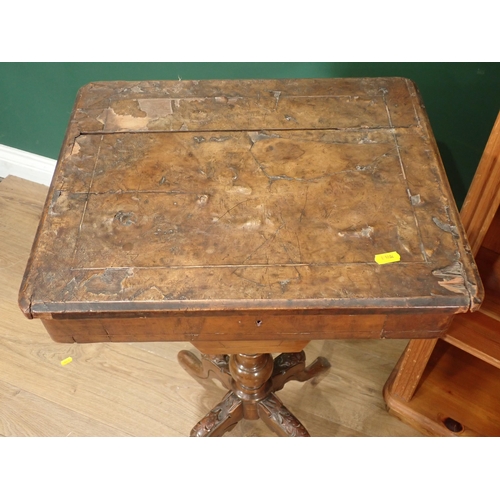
244, 216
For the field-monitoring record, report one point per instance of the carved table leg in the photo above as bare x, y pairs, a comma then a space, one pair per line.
292, 366
252, 380
221, 418
279, 419
210, 366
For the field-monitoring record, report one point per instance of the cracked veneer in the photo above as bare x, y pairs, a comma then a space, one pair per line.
448, 228
454, 279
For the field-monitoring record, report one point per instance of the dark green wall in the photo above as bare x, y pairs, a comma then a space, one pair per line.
462, 99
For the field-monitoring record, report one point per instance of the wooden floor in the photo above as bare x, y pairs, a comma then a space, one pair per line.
139, 389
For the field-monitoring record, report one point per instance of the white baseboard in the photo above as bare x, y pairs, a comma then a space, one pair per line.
26, 165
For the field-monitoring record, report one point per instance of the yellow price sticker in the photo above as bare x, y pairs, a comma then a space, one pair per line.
66, 361
386, 258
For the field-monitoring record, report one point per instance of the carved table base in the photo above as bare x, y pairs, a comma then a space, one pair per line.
252, 380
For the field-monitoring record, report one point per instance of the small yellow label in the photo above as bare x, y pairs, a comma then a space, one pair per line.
66, 361
386, 258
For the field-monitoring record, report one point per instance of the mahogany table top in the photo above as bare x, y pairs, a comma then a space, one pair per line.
194, 197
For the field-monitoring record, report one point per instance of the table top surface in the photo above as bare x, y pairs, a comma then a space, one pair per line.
255, 194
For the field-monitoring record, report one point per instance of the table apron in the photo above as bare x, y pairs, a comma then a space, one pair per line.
249, 327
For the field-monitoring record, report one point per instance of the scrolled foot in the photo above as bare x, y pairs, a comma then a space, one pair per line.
279, 419
315, 371
288, 360
207, 368
291, 366
220, 418
191, 364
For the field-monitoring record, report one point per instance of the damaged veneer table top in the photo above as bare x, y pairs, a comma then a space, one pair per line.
249, 210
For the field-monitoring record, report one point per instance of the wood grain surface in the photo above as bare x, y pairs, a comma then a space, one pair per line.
249, 195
